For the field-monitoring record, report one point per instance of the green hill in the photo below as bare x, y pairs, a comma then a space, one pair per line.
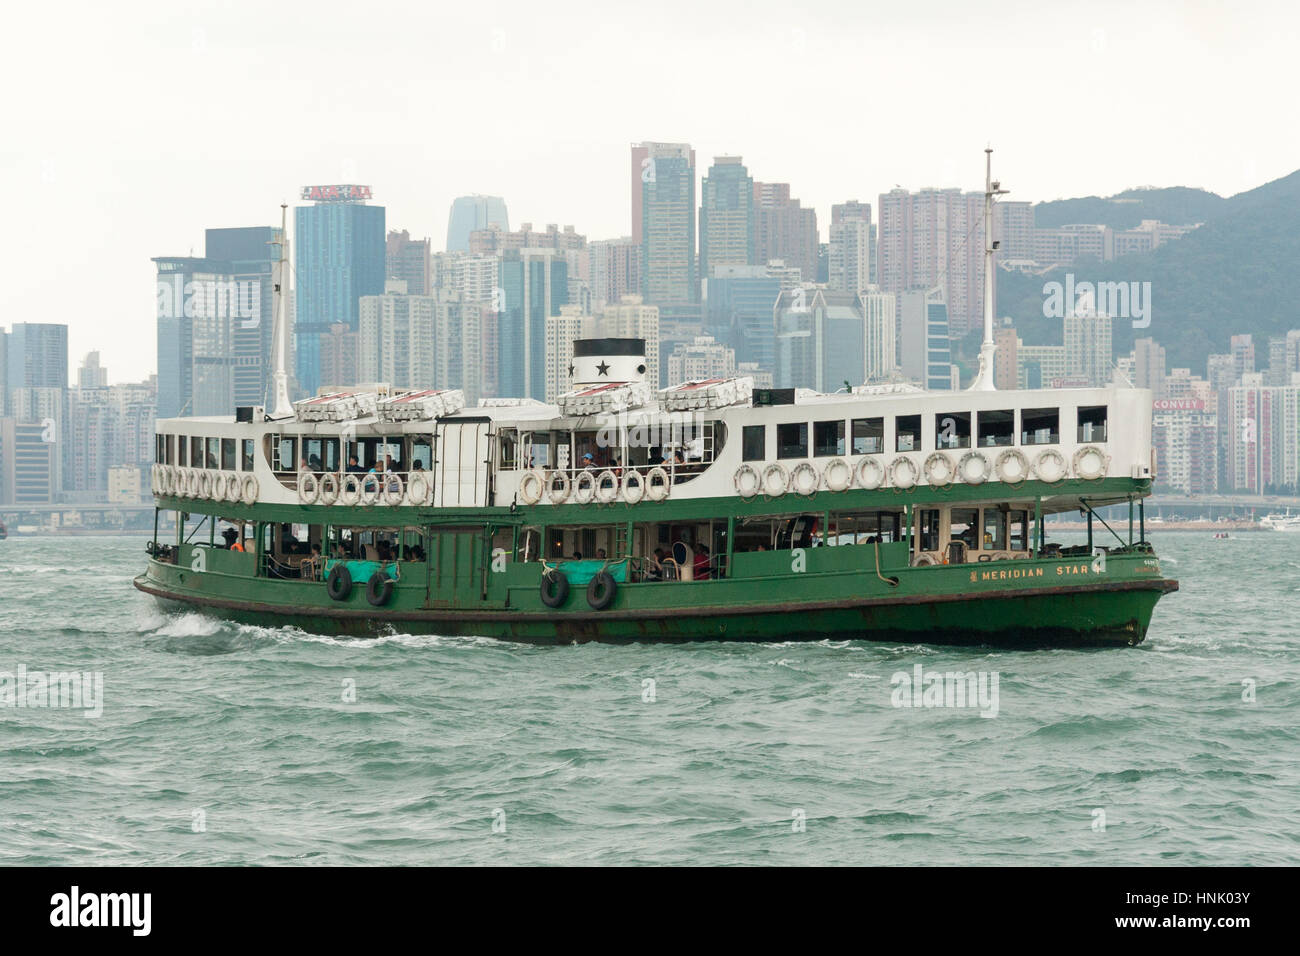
1238, 273
1177, 205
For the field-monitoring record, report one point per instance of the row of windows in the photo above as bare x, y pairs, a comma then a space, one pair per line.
197, 452
866, 436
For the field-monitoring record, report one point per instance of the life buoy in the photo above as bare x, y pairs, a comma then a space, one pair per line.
1011, 466
584, 487
554, 589
837, 474
924, 560
804, 479
939, 470
205, 484
601, 590
558, 487
903, 473
871, 474
1090, 462
339, 583
775, 480
193, 483
248, 490
606, 487
154, 479
175, 476
973, 468
531, 487
219, 486
394, 492
308, 488
350, 493
658, 484
1049, 466
160, 480
418, 487
329, 488
232, 487
371, 488
633, 487
747, 481
379, 589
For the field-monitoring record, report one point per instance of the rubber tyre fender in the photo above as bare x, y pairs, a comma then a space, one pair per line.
379, 589
339, 583
554, 589
601, 591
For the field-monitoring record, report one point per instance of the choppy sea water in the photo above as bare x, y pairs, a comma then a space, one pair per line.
220, 743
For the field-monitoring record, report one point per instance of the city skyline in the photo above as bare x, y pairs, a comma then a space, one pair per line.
348, 128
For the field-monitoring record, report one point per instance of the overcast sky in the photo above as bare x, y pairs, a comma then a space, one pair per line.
129, 128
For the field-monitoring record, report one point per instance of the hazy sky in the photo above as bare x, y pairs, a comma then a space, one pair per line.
129, 128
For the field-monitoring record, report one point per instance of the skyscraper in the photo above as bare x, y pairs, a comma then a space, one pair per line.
665, 214
250, 253
341, 256
727, 226
615, 269
470, 213
534, 284
786, 229
409, 260
395, 342
924, 347
36, 356
851, 247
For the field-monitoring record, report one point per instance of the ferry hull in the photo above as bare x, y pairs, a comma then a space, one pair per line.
1104, 614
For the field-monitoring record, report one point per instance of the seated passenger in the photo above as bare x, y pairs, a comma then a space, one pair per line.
701, 567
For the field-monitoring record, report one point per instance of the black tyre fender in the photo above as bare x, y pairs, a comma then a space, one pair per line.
601, 591
339, 583
555, 588
379, 589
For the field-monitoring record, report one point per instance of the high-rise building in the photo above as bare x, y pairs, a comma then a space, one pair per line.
700, 360
880, 343
664, 174
1149, 366
1014, 230
1242, 349
851, 248
534, 284
36, 356
1184, 434
111, 426
249, 254
615, 270
410, 260
823, 340
727, 222
561, 332
29, 464
469, 213
738, 309
341, 256
1088, 348
786, 229
338, 357
1006, 359
924, 346
395, 342
1040, 365
633, 318
1264, 437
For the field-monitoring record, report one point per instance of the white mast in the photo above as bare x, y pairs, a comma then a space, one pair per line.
281, 407
984, 380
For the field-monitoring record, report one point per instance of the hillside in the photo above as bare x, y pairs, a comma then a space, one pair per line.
1178, 205
1238, 273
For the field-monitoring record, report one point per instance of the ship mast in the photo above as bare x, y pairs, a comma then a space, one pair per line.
281, 406
984, 380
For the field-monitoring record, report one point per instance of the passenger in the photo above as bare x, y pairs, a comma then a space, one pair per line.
417, 553
701, 567
314, 462
588, 461
600, 554
656, 570
417, 465
353, 467
577, 556
231, 536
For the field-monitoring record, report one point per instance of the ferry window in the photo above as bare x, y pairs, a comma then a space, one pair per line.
228, 454
1019, 530
214, 453
792, 440
182, 448
422, 452
753, 442
798, 532
313, 453
169, 452
1092, 423
952, 430
996, 428
864, 527
196, 452
1040, 426
158, 448
509, 446
995, 530
286, 454
868, 436
908, 431
246, 464
928, 523
828, 438
962, 526
331, 449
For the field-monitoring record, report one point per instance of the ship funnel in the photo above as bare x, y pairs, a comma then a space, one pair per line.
601, 361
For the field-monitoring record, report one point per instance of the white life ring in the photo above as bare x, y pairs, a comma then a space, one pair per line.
804, 479
350, 492
837, 474
924, 560
183, 482
633, 492
584, 487
219, 486
164, 476
1012, 467
205, 484
660, 490
248, 490
418, 488
871, 474
1049, 466
329, 488
154, 478
1090, 462
747, 481
308, 488
775, 480
232, 487
939, 469
606, 487
560, 494
973, 468
531, 487
394, 491
372, 487
903, 473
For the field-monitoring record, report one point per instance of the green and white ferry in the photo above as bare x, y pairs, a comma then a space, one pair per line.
708, 510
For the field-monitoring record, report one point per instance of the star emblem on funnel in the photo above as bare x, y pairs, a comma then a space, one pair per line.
603, 368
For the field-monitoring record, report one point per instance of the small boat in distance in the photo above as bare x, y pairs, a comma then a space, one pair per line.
1277, 522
